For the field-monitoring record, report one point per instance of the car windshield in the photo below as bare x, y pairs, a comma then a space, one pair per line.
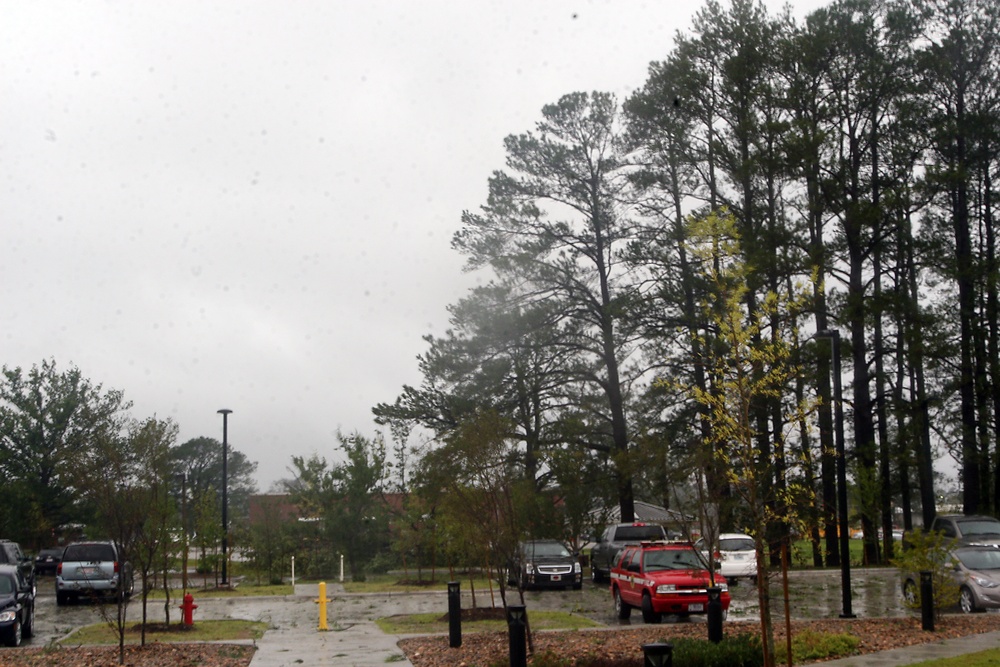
980, 559
6, 585
670, 559
736, 544
979, 527
547, 550
639, 533
89, 553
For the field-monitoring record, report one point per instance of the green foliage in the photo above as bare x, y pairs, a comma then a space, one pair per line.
810, 645
473, 484
742, 650
347, 499
50, 421
930, 551
269, 545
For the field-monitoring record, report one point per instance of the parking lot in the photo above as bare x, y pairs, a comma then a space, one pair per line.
812, 594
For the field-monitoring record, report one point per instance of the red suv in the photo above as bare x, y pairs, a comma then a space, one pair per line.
663, 578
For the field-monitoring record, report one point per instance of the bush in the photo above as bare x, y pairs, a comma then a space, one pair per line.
742, 650
382, 563
930, 551
812, 645
207, 564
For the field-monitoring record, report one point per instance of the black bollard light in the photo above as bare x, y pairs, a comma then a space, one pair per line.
658, 655
926, 600
454, 614
517, 627
714, 614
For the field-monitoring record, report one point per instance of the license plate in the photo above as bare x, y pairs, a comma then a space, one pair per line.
696, 607
556, 577
90, 571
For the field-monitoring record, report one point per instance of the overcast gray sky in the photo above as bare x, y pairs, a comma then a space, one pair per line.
248, 204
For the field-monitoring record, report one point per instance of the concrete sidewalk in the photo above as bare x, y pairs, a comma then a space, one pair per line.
353, 639
900, 657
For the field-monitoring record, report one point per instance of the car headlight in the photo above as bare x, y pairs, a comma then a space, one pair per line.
576, 568
7, 615
666, 588
529, 567
985, 583
723, 587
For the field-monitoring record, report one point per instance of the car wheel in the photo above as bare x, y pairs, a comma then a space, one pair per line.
61, 598
578, 586
910, 593
622, 609
28, 629
13, 637
648, 615
966, 601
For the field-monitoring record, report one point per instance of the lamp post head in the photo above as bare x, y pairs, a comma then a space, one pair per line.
224, 412
828, 333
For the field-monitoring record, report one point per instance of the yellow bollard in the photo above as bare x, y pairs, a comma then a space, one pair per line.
322, 605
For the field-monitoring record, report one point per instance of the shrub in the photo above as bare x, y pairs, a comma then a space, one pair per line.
742, 650
812, 645
930, 551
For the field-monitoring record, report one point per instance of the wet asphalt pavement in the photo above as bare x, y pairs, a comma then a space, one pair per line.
353, 639
812, 594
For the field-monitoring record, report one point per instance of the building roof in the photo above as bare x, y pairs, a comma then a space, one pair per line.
643, 512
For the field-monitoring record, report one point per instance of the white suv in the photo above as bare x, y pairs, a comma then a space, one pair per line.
93, 568
736, 554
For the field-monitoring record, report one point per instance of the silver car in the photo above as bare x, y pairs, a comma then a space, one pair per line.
93, 568
977, 572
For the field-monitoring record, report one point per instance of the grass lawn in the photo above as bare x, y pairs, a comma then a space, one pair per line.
990, 658
402, 583
801, 553
202, 631
243, 590
435, 622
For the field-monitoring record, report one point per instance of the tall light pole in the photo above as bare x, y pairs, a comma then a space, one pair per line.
845, 544
225, 500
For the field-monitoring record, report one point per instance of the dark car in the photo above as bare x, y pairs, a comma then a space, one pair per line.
47, 560
546, 563
12, 554
17, 605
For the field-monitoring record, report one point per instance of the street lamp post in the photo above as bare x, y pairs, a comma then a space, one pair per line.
845, 544
225, 500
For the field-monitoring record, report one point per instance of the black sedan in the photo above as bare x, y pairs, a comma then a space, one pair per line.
17, 606
48, 560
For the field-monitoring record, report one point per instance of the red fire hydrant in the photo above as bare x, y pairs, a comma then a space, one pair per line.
188, 609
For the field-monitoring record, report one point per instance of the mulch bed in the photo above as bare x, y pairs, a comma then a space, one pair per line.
151, 655
622, 646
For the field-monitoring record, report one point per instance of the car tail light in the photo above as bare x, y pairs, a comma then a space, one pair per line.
116, 567
717, 555
59, 568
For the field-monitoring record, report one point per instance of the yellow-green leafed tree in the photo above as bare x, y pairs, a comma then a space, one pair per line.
747, 360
